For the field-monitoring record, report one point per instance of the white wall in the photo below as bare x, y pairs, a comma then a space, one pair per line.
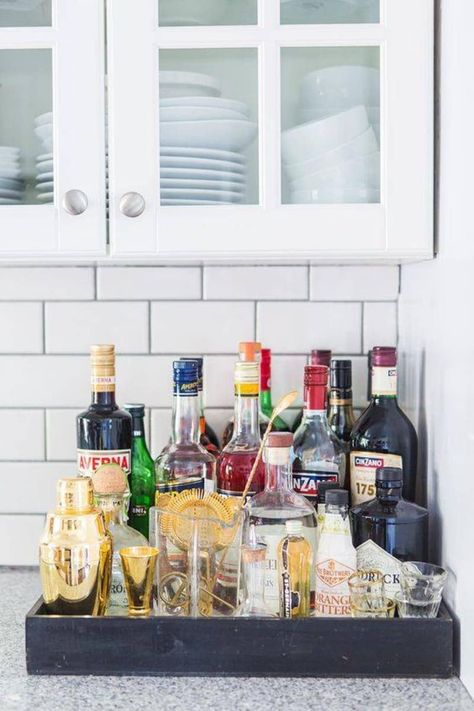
49, 316
437, 334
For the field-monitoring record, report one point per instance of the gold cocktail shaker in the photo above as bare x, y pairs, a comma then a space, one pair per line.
75, 553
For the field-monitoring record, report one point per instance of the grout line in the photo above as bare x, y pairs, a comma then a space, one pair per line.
309, 281
255, 321
43, 315
149, 327
362, 324
95, 277
202, 284
45, 435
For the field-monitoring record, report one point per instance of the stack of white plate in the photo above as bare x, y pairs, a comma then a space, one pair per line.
329, 11
333, 155
203, 137
11, 183
44, 160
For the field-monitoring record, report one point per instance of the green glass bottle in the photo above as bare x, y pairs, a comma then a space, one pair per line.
266, 406
142, 477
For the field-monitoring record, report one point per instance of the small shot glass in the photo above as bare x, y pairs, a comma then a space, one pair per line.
409, 607
422, 582
138, 564
368, 597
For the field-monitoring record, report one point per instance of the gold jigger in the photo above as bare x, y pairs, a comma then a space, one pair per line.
139, 563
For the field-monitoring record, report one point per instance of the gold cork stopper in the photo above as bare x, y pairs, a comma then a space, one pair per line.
103, 368
74, 495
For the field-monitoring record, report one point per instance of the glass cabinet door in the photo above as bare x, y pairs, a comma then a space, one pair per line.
52, 154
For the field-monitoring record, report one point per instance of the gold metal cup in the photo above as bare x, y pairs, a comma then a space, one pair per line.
138, 564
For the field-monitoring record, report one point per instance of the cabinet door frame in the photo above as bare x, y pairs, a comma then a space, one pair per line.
76, 40
399, 228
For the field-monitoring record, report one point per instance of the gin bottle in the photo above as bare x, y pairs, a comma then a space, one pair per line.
267, 513
142, 477
319, 454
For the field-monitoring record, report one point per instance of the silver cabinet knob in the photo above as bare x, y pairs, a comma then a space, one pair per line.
75, 202
132, 204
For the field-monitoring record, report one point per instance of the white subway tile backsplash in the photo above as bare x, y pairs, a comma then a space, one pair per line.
25, 532
147, 379
21, 326
287, 375
148, 283
22, 435
380, 325
46, 283
299, 327
61, 434
259, 283
360, 283
37, 483
72, 327
200, 327
44, 381
219, 381
160, 430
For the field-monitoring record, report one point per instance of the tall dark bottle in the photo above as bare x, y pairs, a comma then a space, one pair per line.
383, 436
104, 431
389, 529
142, 477
340, 413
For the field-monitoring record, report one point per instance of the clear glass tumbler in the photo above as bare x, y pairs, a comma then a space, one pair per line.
409, 607
422, 582
368, 597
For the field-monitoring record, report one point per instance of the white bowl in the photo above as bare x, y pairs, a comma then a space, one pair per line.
11, 184
193, 164
198, 113
207, 153
185, 184
176, 13
226, 135
10, 151
314, 113
195, 194
200, 174
353, 194
44, 131
357, 171
329, 11
12, 173
340, 87
361, 145
215, 102
312, 139
44, 118
177, 83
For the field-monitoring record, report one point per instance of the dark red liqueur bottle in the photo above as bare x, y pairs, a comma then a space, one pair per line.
383, 436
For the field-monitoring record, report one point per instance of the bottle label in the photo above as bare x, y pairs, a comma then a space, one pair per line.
333, 597
246, 389
138, 511
118, 603
363, 468
186, 389
307, 482
285, 609
175, 485
373, 557
229, 492
88, 460
102, 383
384, 381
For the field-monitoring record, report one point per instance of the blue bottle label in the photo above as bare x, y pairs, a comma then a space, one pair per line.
177, 486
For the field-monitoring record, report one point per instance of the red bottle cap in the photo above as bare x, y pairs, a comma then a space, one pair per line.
384, 357
276, 440
316, 375
321, 357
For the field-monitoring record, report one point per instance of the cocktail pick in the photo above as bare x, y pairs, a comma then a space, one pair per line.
284, 402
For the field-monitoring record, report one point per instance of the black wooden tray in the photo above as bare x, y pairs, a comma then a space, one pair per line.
174, 646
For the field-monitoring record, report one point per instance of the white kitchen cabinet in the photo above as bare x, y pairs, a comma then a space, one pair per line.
52, 129
211, 178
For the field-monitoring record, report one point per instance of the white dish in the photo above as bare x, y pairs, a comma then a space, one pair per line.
45, 187
41, 177
313, 113
185, 184
177, 201
10, 172
207, 153
361, 145
340, 87
11, 184
44, 131
10, 152
45, 197
177, 83
9, 164
14, 194
9, 201
182, 163
317, 137
189, 194
47, 144
355, 194
329, 11
44, 119
357, 171
45, 166
215, 102
230, 135
44, 156
198, 113
179, 13
201, 174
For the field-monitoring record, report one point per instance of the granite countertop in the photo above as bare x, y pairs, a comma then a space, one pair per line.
20, 588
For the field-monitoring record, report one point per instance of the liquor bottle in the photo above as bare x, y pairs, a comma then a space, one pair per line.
104, 431
323, 488
269, 511
208, 437
369, 376
111, 497
142, 477
295, 558
319, 455
317, 357
249, 352
336, 558
266, 406
389, 529
340, 413
383, 436
185, 464
236, 459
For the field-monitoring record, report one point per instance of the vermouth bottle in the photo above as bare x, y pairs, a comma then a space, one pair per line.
383, 436
142, 477
185, 464
249, 352
317, 357
207, 436
319, 455
104, 431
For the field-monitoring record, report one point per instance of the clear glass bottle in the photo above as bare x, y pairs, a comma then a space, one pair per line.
268, 512
114, 507
142, 476
249, 352
253, 581
319, 454
295, 559
317, 357
323, 488
207, 436
336, 558
185, 464
238, 456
